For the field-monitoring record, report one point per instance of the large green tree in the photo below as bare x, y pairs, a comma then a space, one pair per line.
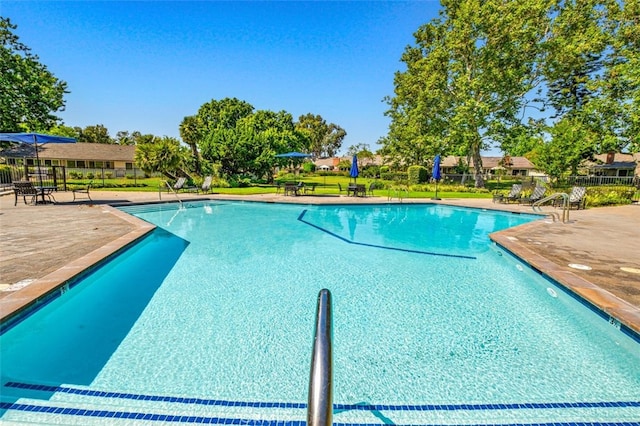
242, 141
30, 94
325, 139
466, 79
162, 155
94, 134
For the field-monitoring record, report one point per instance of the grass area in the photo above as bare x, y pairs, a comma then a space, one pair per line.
325, 185
328, 185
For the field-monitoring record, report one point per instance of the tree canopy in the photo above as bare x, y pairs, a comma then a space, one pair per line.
243, 141
324, 139
466, 79
545, 78
30, 94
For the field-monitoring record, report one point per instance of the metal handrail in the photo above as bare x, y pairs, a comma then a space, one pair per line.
565, 205
320, 407
172, 190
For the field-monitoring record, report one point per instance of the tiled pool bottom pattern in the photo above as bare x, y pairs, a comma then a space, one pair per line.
53, 409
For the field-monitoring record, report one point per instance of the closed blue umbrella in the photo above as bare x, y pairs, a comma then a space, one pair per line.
435, 173
354, 168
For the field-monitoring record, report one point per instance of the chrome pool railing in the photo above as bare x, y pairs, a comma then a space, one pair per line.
171, 189
537, 206
320, 406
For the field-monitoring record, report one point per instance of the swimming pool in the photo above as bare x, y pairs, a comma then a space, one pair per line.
432, 324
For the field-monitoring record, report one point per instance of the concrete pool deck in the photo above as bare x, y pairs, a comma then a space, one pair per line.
45, 246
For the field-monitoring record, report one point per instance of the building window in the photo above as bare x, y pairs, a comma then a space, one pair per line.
128, 166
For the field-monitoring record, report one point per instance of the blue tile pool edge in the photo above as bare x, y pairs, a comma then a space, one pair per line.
336, 406
170, 418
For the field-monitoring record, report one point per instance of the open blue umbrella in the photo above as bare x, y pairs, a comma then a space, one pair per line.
293, 154
354, 168
35, 139
435, 173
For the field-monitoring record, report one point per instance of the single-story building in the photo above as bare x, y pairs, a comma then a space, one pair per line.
615, 165
110, 157
512, 166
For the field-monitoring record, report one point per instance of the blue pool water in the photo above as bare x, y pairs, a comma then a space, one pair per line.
219, 303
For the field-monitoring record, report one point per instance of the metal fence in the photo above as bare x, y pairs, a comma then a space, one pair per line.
59, 175
42, 176
604, 180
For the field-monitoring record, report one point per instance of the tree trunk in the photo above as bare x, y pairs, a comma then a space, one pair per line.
477, 165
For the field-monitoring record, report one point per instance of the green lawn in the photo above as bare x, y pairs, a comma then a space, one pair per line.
325, 185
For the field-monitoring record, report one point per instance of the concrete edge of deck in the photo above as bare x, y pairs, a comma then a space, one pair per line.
621, 310
30, 296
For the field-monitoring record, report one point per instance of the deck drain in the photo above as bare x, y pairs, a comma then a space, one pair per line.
631, 270
579, 266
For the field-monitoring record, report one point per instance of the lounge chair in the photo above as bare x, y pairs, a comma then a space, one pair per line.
206, 184
372, 186
513, 195
24, 189
536, 195
82, 191
180, 185
578, 197
310, 189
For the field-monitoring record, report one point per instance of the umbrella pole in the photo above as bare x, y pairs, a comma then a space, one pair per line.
436, 196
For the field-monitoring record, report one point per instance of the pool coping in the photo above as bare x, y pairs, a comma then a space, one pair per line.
584, 290
43, 289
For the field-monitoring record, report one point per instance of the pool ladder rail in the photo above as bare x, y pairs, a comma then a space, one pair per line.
537, 206
320, 403
171, 189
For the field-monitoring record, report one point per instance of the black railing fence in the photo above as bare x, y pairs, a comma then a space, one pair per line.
60, 175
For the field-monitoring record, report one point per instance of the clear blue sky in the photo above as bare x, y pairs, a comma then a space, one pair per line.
146, 65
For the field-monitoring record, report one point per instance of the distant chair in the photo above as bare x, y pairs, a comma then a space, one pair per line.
512, 196
82, 191
206, 184
372, 186
578, 197
180, 185
536, 195
24, 189
340, 189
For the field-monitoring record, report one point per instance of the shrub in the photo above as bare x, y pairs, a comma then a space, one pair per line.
220, 183
90, 175
130, 177
371, 171
609, 196
75, 175
109, 175
417, 174
394, 176
309, 167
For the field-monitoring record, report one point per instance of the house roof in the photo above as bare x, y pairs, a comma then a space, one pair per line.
620, 161
519, 163
76, 151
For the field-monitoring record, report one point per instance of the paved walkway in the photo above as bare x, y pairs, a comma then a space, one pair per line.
45, 245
